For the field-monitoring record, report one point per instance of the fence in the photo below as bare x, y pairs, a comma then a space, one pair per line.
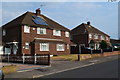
41, 59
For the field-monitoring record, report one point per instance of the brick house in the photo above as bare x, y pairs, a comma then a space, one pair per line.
88, 36
34, 33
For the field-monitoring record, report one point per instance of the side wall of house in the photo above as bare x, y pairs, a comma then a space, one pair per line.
13, 34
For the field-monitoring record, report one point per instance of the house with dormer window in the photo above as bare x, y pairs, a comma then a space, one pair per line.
33, 33
88, 36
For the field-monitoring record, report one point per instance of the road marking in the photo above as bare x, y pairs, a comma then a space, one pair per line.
63, 70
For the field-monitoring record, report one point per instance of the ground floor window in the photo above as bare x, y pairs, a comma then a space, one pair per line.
44, 46
26, 45
60, 47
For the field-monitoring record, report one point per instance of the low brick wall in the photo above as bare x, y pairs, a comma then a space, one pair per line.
85, 56
111, 53
9, 69
88, 56
96, 55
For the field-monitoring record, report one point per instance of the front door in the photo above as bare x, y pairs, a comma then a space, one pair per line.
32, 48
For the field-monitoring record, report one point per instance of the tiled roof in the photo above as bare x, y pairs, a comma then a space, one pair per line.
92, 29
26, 18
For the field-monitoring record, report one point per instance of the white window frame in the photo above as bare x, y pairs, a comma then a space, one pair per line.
26, 45
4, 32
45, 48
107, 38
102, 37
90, 35
68, 47
41, 30
95, 36
26, 29
66, 34
60, 47
56, 32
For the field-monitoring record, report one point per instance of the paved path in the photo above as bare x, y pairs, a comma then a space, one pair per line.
59, 66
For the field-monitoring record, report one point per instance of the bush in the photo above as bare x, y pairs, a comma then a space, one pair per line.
103, 44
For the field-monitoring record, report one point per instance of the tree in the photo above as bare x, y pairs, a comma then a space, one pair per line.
92, 44
103, 44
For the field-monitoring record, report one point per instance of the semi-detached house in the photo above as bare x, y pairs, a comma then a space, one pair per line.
34, 33
88, 36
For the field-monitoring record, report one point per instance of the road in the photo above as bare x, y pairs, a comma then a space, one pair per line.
107, 69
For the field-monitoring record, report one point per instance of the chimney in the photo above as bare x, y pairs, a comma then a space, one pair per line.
38, 11
88, 23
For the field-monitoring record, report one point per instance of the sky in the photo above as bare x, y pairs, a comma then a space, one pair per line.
102, 15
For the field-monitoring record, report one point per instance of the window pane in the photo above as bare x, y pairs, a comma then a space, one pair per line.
26, 29
44, 46
60, 47
90, 35
57, 32
41, 30
26, 45
67, 34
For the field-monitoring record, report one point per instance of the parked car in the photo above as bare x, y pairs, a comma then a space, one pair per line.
1, 75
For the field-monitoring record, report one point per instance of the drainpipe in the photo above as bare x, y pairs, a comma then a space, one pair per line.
23, 58
35, 59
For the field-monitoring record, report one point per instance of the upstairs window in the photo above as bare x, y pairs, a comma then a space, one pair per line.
60, 47
26, 29
4, 32
41, 30
26, 45
102, 37
107, 38
95, 36
90, 35
66, 34
57, 32
44, 46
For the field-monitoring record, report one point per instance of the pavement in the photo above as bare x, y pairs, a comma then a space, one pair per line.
58, 66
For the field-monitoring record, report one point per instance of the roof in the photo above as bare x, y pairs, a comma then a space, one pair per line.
90, 29
114, 41
26, 18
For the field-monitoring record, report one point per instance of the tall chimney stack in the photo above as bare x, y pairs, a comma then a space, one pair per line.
38, 11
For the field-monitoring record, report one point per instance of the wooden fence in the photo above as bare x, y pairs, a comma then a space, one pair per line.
41, 59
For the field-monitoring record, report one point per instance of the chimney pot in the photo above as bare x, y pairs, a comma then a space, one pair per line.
88, 23
38, 11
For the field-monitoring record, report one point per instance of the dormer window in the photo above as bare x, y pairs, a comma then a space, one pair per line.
66, 34
4, 32
26, 29
57, 32
41, 30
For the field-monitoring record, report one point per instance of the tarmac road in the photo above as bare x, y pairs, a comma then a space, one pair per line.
107, 69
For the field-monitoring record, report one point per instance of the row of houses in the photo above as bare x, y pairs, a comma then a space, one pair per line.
33, 33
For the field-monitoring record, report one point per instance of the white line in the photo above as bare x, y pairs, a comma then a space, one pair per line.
63, 70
